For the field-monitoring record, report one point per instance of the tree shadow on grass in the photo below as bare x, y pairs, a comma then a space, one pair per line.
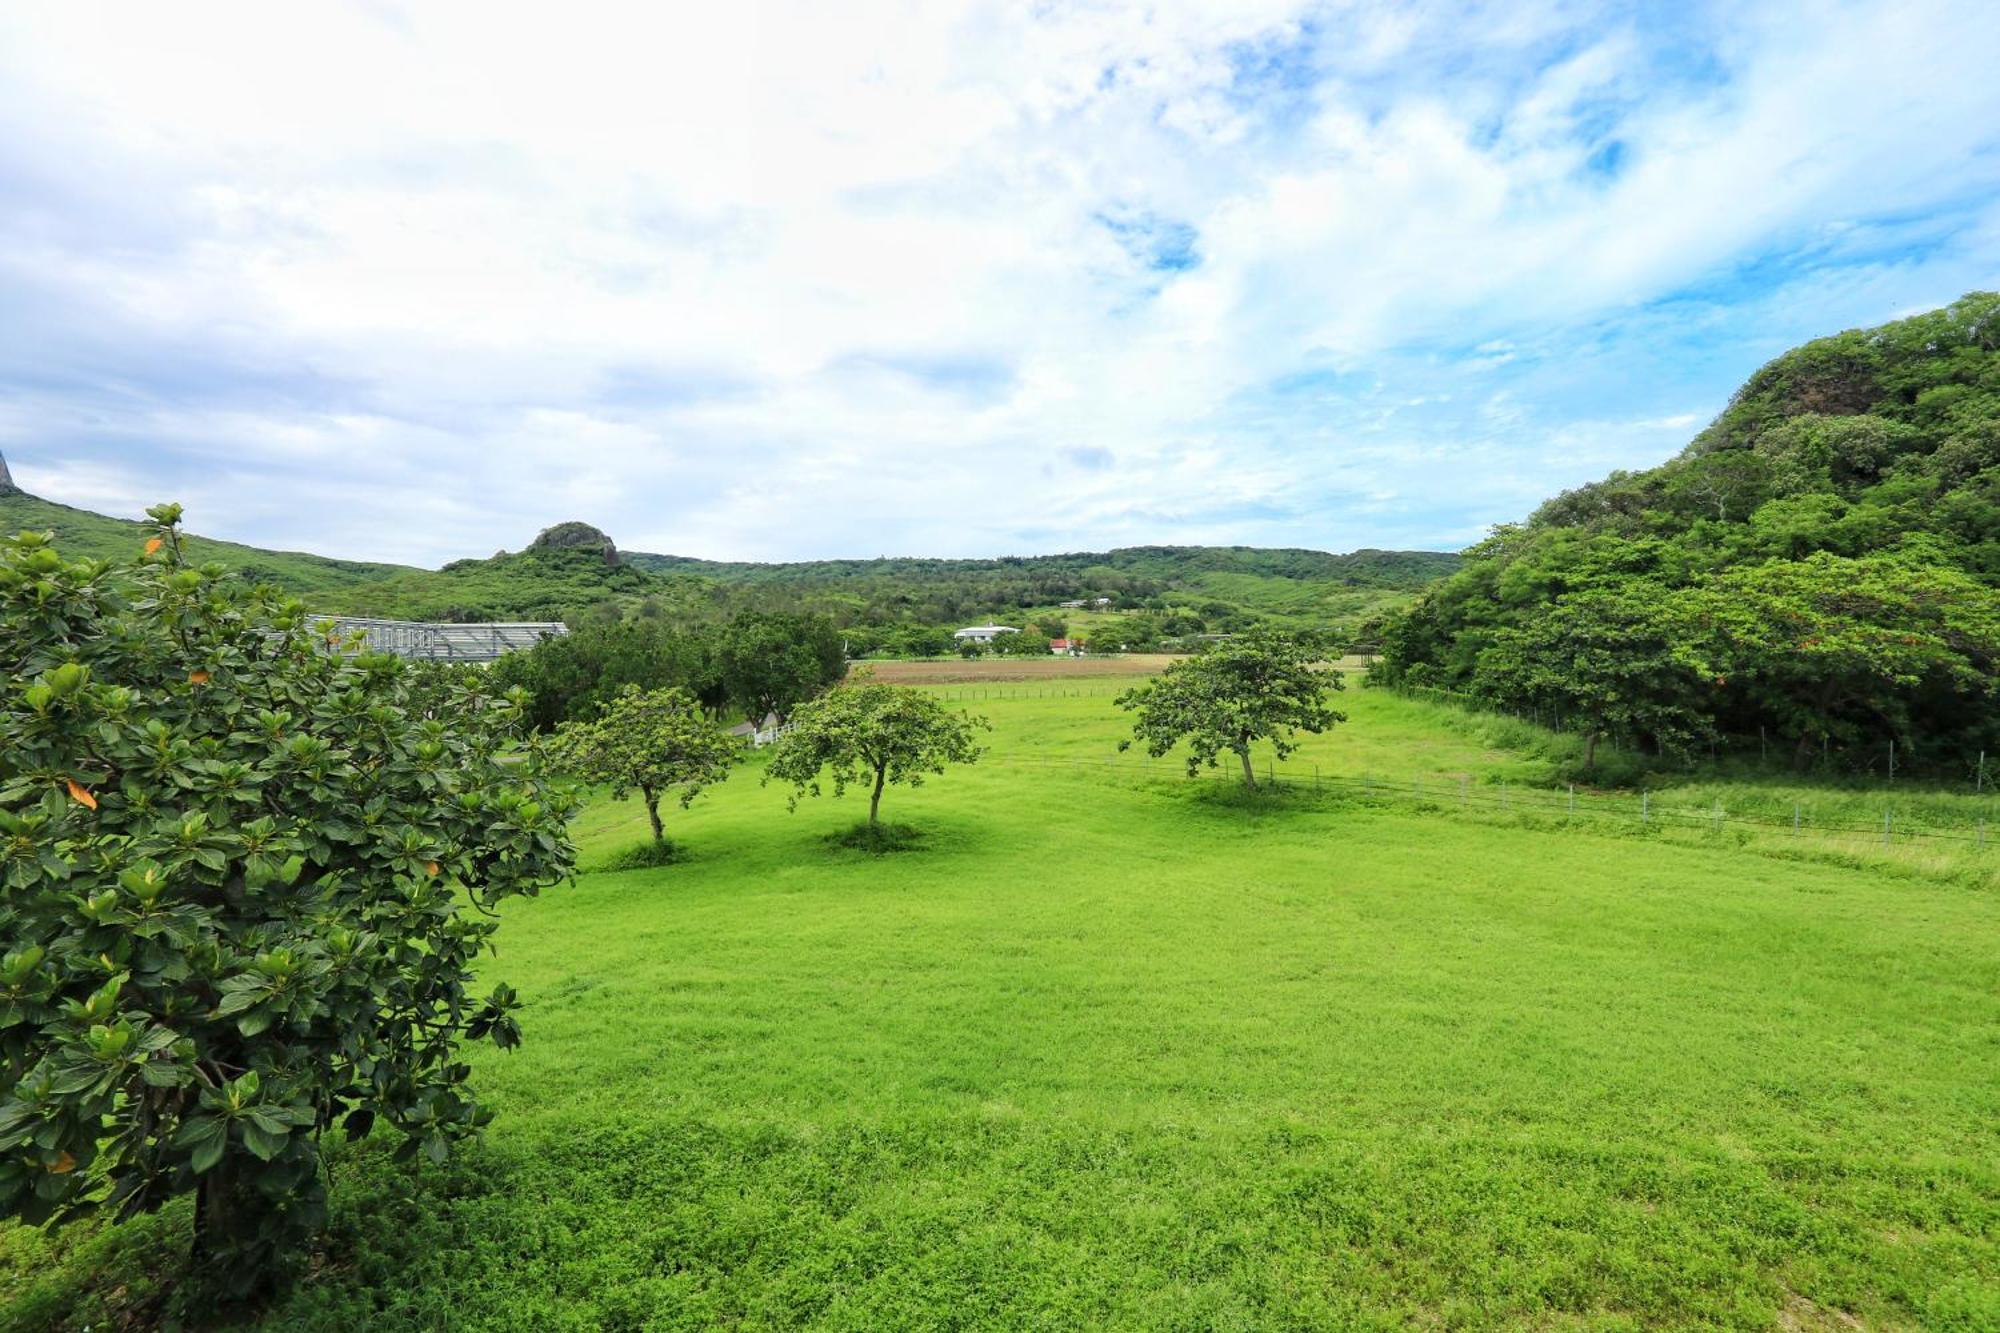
878, 839
647, 855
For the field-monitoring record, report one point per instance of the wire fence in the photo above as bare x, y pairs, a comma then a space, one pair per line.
1979, 776
1445, 793
1883, 758
973, 693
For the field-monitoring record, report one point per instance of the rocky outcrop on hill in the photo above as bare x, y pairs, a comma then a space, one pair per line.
575, 536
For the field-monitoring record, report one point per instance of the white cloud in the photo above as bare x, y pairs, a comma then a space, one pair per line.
798, 279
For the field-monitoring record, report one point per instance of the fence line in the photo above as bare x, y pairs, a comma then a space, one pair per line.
1982, 780
1460, 791
1856, 758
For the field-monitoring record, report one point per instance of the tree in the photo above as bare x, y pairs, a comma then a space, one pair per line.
572, 677
1020, 643
772, 662
875, 733
1620, 659
929, 641
1262, 686
238, 874
650, 741
1835, 649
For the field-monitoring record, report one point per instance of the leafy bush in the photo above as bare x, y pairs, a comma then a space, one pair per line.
236, 863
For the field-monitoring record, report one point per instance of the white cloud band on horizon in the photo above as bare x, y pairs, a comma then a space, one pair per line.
790, 280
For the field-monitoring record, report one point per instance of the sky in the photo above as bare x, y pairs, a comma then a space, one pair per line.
790, 281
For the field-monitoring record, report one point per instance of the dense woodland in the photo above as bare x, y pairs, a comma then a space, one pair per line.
1819, 567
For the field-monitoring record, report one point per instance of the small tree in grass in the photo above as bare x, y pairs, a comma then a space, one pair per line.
872, 733
1260, 687
650, 741
239, 862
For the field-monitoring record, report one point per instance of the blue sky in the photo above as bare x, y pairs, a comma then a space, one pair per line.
766, 281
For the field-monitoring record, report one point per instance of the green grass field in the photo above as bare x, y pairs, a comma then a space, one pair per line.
1113, 1050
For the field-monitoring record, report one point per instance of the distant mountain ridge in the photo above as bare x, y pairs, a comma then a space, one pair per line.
1403, 569
573, 569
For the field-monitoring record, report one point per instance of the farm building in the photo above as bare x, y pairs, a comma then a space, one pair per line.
1066, 647
983, 633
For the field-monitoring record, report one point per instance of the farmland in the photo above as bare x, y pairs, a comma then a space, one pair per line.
1112, 1049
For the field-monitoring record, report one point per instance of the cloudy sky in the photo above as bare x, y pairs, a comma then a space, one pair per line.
765, 280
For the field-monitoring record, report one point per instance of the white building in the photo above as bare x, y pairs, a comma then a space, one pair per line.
983, 633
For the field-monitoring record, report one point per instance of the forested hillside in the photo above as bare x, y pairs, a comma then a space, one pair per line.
573, 572
1819, 565
1281, 583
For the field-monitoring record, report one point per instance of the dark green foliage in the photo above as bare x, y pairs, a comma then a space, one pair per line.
1820, 564
1262, 687
869, 732
1020, 643
1617, 659
771, 662
236, 866
574, 677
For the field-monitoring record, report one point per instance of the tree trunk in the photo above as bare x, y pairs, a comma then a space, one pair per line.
875, 797
1249, 770
1590, 749
240, 1241
652, 799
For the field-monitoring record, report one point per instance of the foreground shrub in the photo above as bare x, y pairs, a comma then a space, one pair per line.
236, 863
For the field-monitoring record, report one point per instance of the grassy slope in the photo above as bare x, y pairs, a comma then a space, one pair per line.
1118, 1052
80, 532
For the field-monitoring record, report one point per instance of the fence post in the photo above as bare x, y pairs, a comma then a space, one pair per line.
1645, 807
1464, 788
1892, 761
1885, 828
1718, 815
1795, 819
1417, 787
1572, 800
1979, 783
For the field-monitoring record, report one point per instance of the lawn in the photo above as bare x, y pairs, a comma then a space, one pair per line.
1113, 1050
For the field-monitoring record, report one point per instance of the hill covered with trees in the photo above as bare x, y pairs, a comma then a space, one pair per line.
574, 572
1820, 566
1227, 583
